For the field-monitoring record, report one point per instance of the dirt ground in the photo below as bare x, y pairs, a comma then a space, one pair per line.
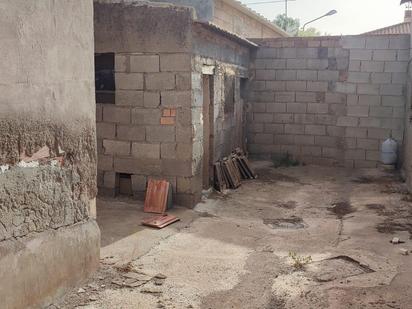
235, 250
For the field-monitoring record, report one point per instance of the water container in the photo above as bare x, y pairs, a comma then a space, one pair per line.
389, 152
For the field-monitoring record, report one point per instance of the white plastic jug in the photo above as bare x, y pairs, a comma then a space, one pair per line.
389, 151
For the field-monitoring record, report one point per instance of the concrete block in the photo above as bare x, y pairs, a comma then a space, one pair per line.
398, 112
358, 111
304, 118
282, 118
104, 163
360, 54
315, 129
176, 99
120, 63
378, 133
105, 130
395, 101
99, 112
275, 85
352, 99
380, 111
175, 62
342, 64
365, 164
372, 66
325, 119
263, 138
160, 81
262, 96
295, 85
146, 116
373, 155
307, 53
262, 117
286, 75
172, 167
259, 107
112, 113
377, 42
129, 81
317, 64
160, 134
393, 89
356, 132
327, 75
146, 151
275, 63
296, 107
327, 141
384, 55
317, 86
349, 143
287, 53
294, 129
139, 183
345, 88
305, 97
113, 147
310, 75
355, 154
129, 98
358, 77
399, 78
353, 42
370, 100
403, 55
151, 99
317, 108
296, 64
183, 81
396, 66
304, 140
390, 123
347, 122
265, 75
274, 128
335, 131
132, 165
265, 52
399, 42
169, 151
370, 122
130, 132
184, 134
255, 127
311, 151
331, 152
381, 78
284, 97
276, 107
144, 63
368, 89
354, 65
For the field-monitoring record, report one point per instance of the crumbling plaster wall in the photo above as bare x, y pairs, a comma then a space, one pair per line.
148, 131
328, 100
47, 87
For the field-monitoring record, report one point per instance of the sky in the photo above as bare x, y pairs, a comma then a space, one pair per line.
354, 16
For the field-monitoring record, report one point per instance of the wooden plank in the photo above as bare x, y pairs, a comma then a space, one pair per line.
160, 221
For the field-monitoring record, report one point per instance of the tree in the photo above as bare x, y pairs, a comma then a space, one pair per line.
292, 26
289, 24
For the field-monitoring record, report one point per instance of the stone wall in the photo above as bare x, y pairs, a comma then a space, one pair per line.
233, 17
328, 100
148, 131
46, 199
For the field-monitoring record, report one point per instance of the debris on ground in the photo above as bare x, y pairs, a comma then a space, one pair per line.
404, 251
396, 240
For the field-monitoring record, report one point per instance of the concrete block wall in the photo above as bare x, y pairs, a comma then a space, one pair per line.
148, 131
328, 100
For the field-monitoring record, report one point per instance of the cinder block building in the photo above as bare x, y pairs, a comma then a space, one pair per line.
170, 92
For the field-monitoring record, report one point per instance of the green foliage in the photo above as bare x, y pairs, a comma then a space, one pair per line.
292, 26
285, 160
299, 262
289, 24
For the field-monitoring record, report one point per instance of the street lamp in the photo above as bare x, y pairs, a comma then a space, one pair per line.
330, 13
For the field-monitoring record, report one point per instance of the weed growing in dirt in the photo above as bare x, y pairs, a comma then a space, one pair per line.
299, 262
285, 160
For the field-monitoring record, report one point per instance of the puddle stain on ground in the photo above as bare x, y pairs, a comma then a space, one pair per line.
341, 209
285, 223
380, 209
392, 225
376, 180
339, 267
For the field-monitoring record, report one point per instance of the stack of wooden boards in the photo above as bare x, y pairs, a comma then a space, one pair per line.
229, 171
158, 200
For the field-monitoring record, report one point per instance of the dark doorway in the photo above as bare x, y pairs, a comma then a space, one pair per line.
208, 130
104, 78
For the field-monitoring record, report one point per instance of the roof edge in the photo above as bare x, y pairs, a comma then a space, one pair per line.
248, 11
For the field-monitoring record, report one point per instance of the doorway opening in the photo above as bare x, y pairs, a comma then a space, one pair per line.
208, 131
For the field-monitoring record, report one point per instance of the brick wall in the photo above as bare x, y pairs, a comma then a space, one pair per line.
228, 16
329, 100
